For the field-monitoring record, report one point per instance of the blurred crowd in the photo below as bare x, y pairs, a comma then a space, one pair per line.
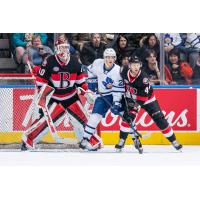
181, 52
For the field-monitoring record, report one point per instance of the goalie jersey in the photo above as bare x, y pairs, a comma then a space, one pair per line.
109, 81
64, 78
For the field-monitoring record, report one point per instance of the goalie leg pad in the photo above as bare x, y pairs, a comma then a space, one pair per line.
78, 118
40, 128
44, 95
77, 111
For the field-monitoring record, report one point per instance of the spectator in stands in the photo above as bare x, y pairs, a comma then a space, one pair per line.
122, 48
135, 38
37, 53
125, 60
109, 38
63, 37
190, 48
20, 41
50, 40
92, 50
196, 73
151, 67
79, 39
177, 72
152, 43
171, 41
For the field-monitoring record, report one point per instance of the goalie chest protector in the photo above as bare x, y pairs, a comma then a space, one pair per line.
64, 78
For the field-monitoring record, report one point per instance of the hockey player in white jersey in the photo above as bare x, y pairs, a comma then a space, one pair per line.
110, 91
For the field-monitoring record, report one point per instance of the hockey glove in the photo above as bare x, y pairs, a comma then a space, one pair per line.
115, 109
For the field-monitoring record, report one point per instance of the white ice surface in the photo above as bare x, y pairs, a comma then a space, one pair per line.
153, 155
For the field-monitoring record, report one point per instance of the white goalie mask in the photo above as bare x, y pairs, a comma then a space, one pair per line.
109, 56
62, 50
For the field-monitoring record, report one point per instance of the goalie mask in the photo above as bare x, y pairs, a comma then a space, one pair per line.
62, 50
109, 56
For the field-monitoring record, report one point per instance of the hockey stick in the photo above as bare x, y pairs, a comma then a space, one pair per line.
136, 134
144, 136
49, 119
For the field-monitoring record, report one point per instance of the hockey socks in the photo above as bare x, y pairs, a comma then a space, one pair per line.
169, 134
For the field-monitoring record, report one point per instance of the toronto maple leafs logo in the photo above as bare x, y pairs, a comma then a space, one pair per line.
108, 83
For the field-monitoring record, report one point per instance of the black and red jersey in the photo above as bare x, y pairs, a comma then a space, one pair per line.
138, 87
64, 78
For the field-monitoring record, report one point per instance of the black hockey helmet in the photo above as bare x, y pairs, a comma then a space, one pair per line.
134, 59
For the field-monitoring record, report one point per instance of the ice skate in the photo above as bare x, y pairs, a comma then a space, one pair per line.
177, 146
120, 145
138, 144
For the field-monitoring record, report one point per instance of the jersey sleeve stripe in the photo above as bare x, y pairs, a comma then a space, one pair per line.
80, 81
81, 76
41, 80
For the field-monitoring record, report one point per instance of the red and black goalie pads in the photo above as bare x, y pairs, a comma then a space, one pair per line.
44, 95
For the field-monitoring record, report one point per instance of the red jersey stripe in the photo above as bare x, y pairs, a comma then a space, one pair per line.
57, 77
41, 80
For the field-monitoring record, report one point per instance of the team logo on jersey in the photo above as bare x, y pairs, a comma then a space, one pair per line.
145, 80
108, 83
131, 90
55, 69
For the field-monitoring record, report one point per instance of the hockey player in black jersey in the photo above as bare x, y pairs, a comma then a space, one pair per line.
63, 73
139, 93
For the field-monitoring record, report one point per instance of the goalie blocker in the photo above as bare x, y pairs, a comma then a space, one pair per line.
57, 112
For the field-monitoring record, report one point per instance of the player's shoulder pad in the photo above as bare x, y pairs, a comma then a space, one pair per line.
144, 77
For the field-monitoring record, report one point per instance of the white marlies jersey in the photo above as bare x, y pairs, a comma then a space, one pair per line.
109, 81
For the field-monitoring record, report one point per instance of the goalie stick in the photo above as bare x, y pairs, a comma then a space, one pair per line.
49, 119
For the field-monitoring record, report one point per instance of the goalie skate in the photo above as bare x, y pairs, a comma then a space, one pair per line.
25, 146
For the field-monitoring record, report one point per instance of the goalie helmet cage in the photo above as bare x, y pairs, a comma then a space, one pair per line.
17, 93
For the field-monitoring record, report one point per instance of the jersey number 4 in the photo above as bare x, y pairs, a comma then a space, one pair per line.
147, 89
